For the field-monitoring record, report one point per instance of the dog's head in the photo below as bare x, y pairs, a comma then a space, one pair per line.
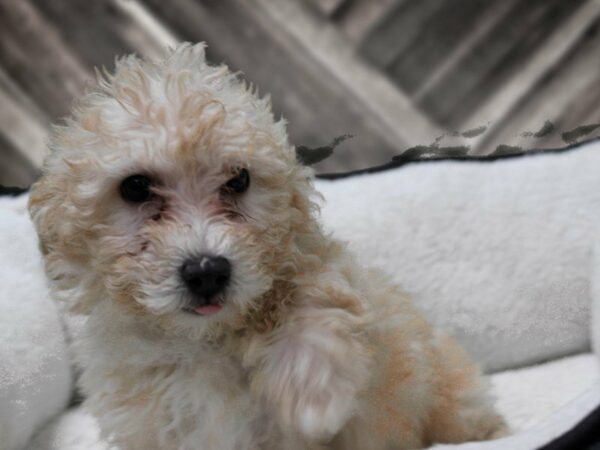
172, 192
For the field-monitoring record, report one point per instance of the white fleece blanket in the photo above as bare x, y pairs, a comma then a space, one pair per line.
498, 253
558, 423
35, 372
526, 397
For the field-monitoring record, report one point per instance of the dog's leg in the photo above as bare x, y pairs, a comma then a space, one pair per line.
310, 370
463, 409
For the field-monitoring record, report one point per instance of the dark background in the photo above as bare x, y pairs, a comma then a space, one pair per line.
394, 73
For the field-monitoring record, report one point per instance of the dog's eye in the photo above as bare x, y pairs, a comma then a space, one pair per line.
136, 188
238, 183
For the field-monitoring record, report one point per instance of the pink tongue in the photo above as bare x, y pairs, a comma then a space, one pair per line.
208, 309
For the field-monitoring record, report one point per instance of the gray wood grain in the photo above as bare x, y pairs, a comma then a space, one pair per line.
362, 15
99, 31
15, 169
401, 72
317, 107
22, 129
440, 34
568, 96
396, 30
496, 57
34, 55
329, 7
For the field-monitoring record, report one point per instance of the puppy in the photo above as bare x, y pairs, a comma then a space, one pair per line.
173, 213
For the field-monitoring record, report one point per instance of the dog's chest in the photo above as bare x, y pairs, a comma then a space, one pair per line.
202, 405
159, 394
210, 404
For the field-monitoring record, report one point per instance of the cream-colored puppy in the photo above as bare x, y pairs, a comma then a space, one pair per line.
173, 213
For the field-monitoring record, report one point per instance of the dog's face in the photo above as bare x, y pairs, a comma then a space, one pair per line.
173, 193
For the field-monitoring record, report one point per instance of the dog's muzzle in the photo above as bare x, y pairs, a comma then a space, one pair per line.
206, 277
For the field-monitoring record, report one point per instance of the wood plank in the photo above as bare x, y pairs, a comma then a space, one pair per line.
396, 30
442, 41
328, 7
314, 101
147, 35
492, 15
545, 63
492, 62
11, 88
566, 94
22, 129
100, 31
82, 26
362, 15
33, 54
15, 170
381, 98
582, 112
24, 120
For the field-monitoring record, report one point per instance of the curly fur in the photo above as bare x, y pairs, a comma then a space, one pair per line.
311, 350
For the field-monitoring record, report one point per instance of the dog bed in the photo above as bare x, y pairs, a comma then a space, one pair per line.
500, 254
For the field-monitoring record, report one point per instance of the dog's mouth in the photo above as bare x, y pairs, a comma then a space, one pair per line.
205, 310
202, 307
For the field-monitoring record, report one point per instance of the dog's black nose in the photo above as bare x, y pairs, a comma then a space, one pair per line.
206, 276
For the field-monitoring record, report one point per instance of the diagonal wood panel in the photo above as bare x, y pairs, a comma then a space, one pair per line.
380, 98
564, 90
100, 31
444, 33
493, 60
360, 16
316, 104
554, 61
395, 73
396, 30
34, 55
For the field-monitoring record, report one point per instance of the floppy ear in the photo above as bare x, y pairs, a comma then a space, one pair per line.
62, 243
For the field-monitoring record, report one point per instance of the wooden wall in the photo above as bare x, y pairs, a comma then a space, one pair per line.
509, 65
394, 73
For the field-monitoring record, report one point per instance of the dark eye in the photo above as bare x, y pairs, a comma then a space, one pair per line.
238, 183
136, 188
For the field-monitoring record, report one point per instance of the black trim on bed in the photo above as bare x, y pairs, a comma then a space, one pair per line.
12, 191
421, 154
583, 436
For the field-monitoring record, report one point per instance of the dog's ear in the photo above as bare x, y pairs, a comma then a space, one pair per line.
62, 242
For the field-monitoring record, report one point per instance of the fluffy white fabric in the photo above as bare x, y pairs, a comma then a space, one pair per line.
596, 299
73, 430
526, 397
557, 424
35, 373
499, 253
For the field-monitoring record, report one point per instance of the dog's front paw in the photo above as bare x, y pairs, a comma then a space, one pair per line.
321, 414
311, 386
